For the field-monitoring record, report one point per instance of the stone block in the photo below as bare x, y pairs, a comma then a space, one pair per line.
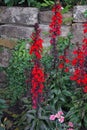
77, 31
22, 32
5, 55
45, 17
19, 15
78, 13
2, 77
45, 33
17, 32
7, 43
65, 30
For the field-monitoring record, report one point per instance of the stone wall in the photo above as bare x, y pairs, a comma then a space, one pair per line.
18, 22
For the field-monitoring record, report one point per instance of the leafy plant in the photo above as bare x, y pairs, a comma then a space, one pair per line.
2, 107
38, 120
74, 2
85, 14
66, 9
78, 109
19, 2
43, 3
47, 3
31, 119
16, 71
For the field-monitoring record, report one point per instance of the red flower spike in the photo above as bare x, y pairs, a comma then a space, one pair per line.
80, 63
55, 25
37, 73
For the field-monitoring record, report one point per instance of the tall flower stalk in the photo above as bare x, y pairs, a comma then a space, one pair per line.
37, 72
55, 30
80, 63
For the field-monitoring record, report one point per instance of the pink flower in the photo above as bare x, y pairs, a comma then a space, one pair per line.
70, 124
70, 129
52, 117
58, 115
61, 119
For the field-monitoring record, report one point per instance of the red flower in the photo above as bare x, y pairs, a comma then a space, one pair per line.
56, 7
37, 73
67, 60
66, 69
85, 89
85, 40
80, 63
74, 61
85, 30
85, 25
61, 57
61, 66
36, 47
75, 52
55, 25
37, 84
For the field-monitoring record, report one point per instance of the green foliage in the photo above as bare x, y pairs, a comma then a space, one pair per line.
74, 2
2, 107
38, 120
59, 91
85, 14
20, 2
58, 83
47, 3
31, 119
16, 71
66, 9
78, 110
44, 3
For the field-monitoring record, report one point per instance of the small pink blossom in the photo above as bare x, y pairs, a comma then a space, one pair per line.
70, 129
61, 119
70, 124
52, 117
58, 115
60, 112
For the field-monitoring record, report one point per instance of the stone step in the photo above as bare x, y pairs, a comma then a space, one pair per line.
78, 13
5, 55
7, 43
13, 31
45, 17
19, 15
22, 32
77, 31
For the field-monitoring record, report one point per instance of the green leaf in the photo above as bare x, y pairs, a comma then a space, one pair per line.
66, 93
7, 1
22, 1
85, 120
85, 14
44, 5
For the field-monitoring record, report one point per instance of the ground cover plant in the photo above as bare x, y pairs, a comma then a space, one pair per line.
47, 89
41, 3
